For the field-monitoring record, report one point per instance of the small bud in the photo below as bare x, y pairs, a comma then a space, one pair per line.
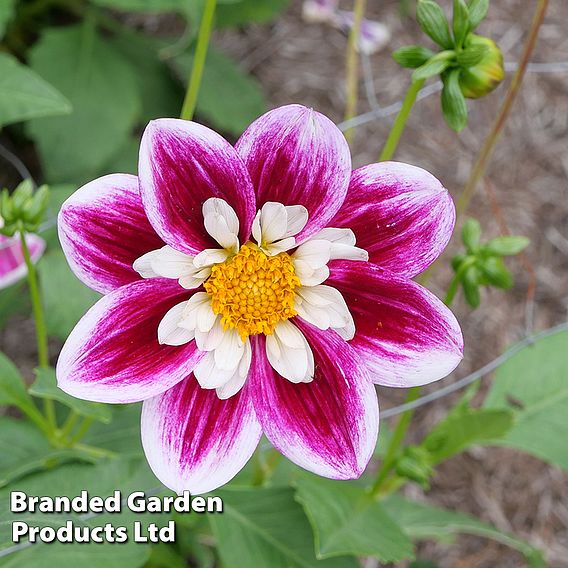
483, 77
415, 465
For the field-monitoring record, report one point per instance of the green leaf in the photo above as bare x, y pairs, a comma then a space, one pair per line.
412, 56
45, 386
346, 520
454, 106
7, 11
533, 383
472, 55
469, 427
434, 66
123, 437
13, 300
507, 246
228, 98
103, 89
495, 273
25, 450
477, 12
433, 22
248, 11
471, 234
71, 479
422, 521
65, 298
161, 94
25, 95
143, 5
266, 527
460, 21
470, 283
12, 388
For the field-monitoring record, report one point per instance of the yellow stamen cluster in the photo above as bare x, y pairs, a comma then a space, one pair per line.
252, 292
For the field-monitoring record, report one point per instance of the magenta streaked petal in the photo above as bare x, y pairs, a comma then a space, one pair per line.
103, 229
401, 215
328, 426
113, 354
182, 164
297, 156
12, 264
404, 334
195, 441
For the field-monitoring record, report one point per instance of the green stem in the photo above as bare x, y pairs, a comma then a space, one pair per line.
394, 446
69, 424
400, 121
81, 431
454, 284
41, 331
199, 60
352, 66
94, 451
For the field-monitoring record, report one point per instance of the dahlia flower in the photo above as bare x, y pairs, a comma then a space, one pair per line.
373, 35
261, 288
12, 265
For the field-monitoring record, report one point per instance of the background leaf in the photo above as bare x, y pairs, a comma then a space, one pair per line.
246, 11
533, 383
102, 86
65, 297
469, 427
6, 14
266, 527
228, 98
45, 386
346, 520
126, 475
24, 94
422, 521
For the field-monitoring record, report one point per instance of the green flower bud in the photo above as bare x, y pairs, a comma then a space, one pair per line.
483, 77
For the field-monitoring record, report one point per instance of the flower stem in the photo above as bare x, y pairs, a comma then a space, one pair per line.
485, 154
69, 424
396, 440
81, 431
41, 331
352, 66
203, 36
400, 121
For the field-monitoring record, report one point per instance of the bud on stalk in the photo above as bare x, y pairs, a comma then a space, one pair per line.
483, 77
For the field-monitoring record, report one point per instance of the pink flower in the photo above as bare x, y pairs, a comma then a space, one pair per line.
237, 302
373, 36
12, 265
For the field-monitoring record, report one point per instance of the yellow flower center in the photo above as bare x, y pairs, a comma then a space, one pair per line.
252, 292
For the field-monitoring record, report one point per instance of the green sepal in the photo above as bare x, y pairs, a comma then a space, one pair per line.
471, 234
495, 273
470, 283
471, 55
454, 106
433, 22
434, 66
460, 22
506, 246
477, 12
412, 56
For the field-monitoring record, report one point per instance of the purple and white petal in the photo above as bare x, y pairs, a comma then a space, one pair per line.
195, 441
328, 426
182, 165
12, 264
103, 229
403, 333
297, 156
401, 215
113, 354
